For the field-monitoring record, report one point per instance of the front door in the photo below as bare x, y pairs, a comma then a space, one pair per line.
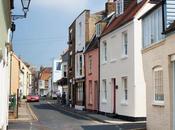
97, 95
114, 94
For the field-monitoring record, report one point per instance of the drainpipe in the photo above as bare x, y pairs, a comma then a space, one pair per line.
98, 107
10, 72
163, 15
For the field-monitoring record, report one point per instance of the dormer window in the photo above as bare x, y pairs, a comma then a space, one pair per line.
119, 7
98, 29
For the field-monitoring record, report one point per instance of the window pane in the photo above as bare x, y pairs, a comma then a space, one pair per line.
158, 84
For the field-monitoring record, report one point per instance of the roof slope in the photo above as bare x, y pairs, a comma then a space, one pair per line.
93, 44
127, 16
46, 73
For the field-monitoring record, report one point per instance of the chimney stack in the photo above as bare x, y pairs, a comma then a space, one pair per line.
110, 7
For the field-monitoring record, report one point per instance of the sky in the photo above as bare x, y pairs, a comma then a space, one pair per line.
43, 35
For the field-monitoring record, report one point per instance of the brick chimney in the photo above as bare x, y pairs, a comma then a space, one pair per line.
110, 7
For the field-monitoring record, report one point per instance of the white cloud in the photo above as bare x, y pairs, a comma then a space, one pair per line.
62, 5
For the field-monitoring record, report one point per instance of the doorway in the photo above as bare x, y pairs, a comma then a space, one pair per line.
97, 95
113, 81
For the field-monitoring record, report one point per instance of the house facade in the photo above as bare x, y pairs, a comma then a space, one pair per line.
56, 75
15, 74
5, 23
92, 60
158, 62
122, 85
43, 83
92, 75
71, 64
84, 30
25, 80
64, 80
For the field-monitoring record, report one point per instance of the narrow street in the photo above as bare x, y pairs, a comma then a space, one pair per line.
51, 119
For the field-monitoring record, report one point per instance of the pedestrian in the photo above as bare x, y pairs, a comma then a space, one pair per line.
64, 98
58, 97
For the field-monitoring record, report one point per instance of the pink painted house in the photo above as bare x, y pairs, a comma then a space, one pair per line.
92, 75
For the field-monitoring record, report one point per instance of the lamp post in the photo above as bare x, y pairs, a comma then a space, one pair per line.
25, 8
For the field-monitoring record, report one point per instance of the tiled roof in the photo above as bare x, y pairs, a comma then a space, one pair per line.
46, 73
127, 16
93, 44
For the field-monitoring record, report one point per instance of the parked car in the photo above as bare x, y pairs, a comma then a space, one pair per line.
33, 98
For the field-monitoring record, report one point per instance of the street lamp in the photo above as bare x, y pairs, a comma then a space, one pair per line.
25, 8
25, 5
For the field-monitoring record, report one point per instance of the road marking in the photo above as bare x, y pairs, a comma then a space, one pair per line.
32, 113
30, 125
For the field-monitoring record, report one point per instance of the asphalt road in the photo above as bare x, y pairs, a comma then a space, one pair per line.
50, 118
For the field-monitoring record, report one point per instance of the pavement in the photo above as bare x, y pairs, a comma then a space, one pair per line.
139, 125
25, 113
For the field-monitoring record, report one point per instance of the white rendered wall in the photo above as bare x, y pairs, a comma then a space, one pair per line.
80, 44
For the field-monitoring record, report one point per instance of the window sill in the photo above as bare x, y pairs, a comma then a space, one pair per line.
113, 60
124, 103
90, 104
124, 57
156, 103
153, 45
104, 63
104, 102
90, 73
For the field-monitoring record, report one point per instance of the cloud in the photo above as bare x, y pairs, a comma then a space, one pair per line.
61, 5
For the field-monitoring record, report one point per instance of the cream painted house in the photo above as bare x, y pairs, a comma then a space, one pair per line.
122, 84
25, 79
5, 25
159, 65
14, 74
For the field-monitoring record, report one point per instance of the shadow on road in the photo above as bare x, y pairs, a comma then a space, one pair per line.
61, 110
140, 126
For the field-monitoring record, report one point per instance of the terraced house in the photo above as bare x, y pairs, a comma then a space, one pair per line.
122, 84
92, 59
5, 23
84, 30
159, 64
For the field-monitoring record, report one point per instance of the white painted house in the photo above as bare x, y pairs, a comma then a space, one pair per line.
56, 75
122, 85
5, 24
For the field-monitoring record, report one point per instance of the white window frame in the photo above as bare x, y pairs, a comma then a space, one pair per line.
124, 44
138, 1
152, 28
158, 69
90, 64
80, 92
98, 29
125, 89
104, 95
104, 52
80, 30
119, 7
